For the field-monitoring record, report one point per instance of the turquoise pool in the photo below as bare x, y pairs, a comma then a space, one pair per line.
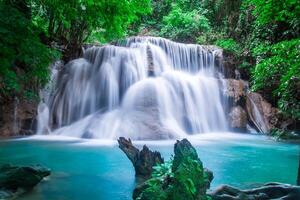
97, 169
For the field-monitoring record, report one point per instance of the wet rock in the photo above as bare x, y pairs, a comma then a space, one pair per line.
17, 117
14, 180
144, 160
235, 91
231, 64
266, 192
238, 118
261, 113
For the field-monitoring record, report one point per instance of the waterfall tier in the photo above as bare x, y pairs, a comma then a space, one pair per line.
142, 88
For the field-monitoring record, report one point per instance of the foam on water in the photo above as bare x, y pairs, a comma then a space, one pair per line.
197, 139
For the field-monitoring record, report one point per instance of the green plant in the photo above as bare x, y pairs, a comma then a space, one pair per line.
181, 178
184, 25
278, 71
229, 44
24, 58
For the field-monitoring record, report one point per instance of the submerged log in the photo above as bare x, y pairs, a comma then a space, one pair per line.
265, 192
144, 160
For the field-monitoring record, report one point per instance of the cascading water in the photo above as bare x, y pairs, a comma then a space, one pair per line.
142, 88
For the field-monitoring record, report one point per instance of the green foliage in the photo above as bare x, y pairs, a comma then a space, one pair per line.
29, 27
184, 25
24, 59
209, 37
289, 91
154, 187
278, 71
188, 179
76, 20
162, 171
229, 44
181, 178
280, 134
159, 9
273, 11
153, 191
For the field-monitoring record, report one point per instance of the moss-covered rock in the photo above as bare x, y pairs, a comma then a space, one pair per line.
15, 180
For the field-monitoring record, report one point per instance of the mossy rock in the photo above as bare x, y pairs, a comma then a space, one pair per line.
15, 180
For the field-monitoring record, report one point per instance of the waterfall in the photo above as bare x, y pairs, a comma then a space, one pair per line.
16, 124
142, 88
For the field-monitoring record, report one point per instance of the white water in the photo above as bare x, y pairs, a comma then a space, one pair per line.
142, 88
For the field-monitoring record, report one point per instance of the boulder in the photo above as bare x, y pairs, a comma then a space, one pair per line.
266, 192
261, 113
15, 180
238, 118
235, 91
144, 160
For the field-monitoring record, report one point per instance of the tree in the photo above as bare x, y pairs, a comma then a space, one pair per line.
24, 58
73, 22
32, 30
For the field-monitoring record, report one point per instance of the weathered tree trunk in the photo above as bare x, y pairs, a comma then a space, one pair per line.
143, 161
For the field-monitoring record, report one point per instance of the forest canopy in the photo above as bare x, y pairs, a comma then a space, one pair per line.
35, 32
262, 35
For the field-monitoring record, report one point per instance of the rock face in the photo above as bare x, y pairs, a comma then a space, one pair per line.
236, 90
266, 192
231, 67
238, 118
182, 178
250, 107
144, 160
261, 113
15, 180
17, 118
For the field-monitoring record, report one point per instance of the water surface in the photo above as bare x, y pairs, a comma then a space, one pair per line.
98, 169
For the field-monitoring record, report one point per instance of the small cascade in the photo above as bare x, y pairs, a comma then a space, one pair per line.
256, 116
16, 120
43, 126
142, 88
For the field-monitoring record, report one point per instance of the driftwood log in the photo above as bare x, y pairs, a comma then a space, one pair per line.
266, 192
144, 160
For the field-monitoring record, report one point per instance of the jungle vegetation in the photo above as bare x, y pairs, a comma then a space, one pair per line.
262, 35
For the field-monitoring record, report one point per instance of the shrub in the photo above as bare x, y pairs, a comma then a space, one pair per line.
229, 45
184, 26
278, 70
24, 58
